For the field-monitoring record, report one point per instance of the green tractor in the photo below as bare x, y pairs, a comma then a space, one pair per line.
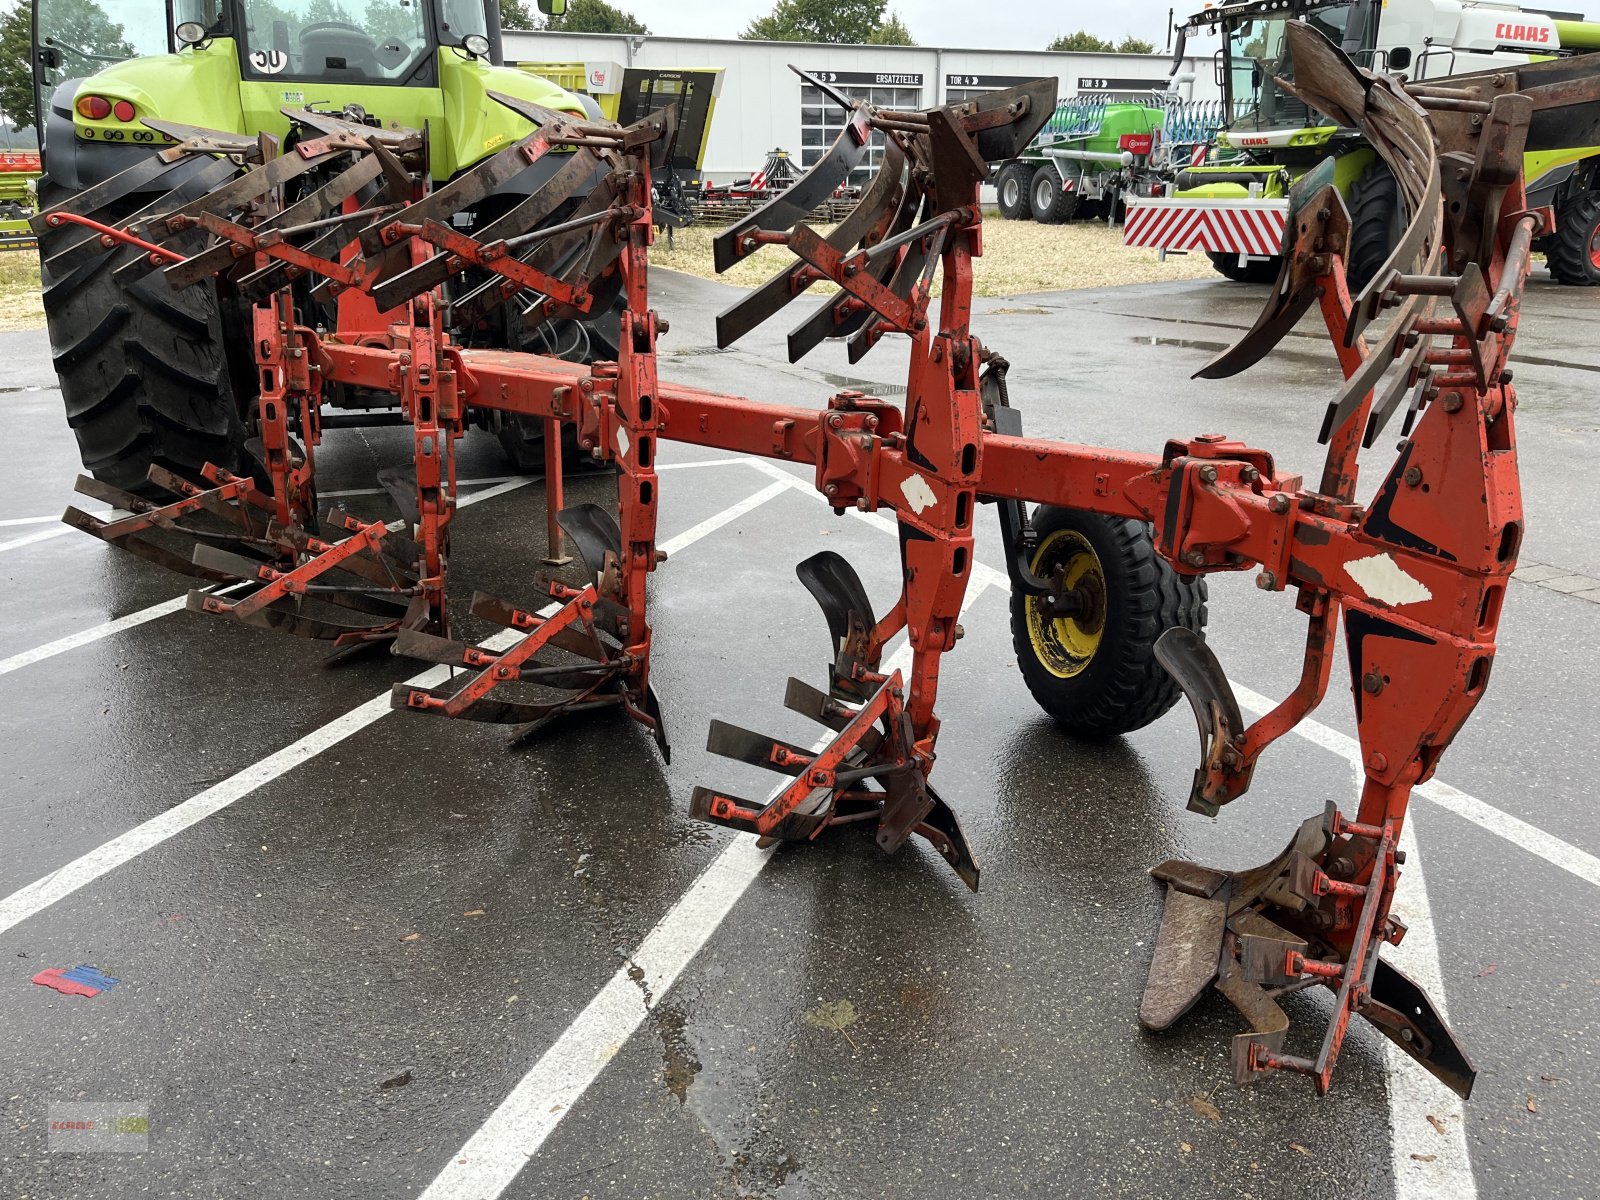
155, 376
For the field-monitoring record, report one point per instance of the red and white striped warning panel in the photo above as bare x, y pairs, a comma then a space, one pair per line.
1221, 226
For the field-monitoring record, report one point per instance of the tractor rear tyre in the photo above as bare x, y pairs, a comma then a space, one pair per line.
1255, 270
1096, 673
1376, 224
143, 368
1011, 189
1048, 200
522, 438
1573, 251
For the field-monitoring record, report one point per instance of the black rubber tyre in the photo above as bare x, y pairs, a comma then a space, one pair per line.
1376, 223
1573, 251
1101, 678
1011, 190
1050, 203
1256, 270
522, 438
143, 369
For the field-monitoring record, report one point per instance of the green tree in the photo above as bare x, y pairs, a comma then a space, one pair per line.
594, 16
514, 14
1133, 45
16, 81
847, 21
1082, 41
891, 31
88, 39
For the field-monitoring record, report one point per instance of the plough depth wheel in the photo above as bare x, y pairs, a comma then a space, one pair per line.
1087, 649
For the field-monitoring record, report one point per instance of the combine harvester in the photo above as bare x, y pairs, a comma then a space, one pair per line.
1107, 572
1235, 211
18, 170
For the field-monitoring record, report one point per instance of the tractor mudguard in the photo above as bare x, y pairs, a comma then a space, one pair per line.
75, 164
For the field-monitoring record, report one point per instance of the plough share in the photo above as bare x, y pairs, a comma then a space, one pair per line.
1417, 575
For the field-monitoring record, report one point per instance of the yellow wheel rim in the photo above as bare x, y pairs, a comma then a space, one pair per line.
1065, 646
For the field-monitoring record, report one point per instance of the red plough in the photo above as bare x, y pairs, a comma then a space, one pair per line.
1417, 576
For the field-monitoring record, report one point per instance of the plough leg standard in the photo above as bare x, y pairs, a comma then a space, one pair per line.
1418, 575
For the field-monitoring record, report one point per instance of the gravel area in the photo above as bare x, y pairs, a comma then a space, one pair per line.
1018, 256
20, 306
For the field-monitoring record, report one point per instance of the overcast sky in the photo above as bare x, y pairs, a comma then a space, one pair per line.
1009, 26
1024, 25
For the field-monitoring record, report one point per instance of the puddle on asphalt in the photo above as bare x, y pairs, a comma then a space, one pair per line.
870, 387
1186, 343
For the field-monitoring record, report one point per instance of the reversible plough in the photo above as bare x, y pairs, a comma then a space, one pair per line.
1417, 575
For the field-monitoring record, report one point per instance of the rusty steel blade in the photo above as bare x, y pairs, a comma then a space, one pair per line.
1187, 954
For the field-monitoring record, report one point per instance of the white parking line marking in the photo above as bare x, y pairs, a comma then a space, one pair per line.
1486, 816
58, 885
740, 461
491, 1158
10, 521
43, 535
133, 620
43, 892
1429, 1162
481, 481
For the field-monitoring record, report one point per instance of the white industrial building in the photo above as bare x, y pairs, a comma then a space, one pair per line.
763, 105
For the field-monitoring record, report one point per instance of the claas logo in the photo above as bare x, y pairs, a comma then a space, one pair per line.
1522, 33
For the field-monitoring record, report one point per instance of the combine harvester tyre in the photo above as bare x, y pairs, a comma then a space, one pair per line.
1376, 223
1097, 673
1573, 253
1255, 270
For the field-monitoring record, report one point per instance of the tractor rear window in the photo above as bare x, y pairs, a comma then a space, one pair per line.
344, 41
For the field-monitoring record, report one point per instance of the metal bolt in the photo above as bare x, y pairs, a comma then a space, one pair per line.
1413, 476
1452, 402
1342, 867
1378, 762
1249, 474
1266, 581
836, 422
863, 505
1195, 558
832, 489
1208, 474
1279, 504
1372, 683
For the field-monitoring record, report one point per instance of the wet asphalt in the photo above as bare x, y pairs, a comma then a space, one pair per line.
857, 1026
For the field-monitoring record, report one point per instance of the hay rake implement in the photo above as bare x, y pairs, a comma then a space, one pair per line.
1417, 575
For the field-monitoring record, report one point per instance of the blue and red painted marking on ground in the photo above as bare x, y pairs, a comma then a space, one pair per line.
82, 980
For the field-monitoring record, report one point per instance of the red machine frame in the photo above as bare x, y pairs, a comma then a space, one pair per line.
1418, 575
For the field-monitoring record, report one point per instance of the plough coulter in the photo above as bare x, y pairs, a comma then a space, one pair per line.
1106, 573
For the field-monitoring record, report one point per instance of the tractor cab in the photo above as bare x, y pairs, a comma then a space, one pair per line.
103, 69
